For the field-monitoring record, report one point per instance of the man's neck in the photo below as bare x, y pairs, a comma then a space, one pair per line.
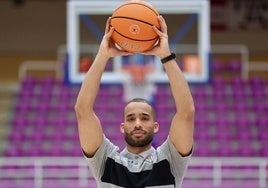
138, 150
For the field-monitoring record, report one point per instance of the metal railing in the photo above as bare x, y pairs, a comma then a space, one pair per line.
217, 169
39, 65
232, 49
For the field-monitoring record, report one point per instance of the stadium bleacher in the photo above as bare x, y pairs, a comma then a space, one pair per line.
231, 121
230, 116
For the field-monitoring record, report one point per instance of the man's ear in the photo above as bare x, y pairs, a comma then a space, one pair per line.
122, 127
156, 127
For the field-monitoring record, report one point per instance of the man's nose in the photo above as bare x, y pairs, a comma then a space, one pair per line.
138, 123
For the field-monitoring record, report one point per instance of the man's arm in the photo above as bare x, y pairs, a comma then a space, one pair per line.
89, 126
182, 125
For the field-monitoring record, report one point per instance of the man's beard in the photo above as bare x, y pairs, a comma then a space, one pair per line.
140, 142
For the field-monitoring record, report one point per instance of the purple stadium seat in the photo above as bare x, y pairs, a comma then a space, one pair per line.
194, 183
202, 151
163, 90
37, 135
234, 65
218, 65
245, 150
28, 82
202, 134
218, 83
259, 93
221, 105
202, 105
237, 81
22, 183
242, 122
166, 110
264, 150
34, 151
262, 122
256, 82
223, 133
17, 135
261, 107
48, 82
45, 94
26, 93
201, 92
20, 121
244, 134
13, 151
42, 106
22, 106
238, 183
202, 121
219, 94
263, 135
241, 106
39, 121
239, 93
225, 149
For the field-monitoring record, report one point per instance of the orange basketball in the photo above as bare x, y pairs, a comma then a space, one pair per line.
133, 21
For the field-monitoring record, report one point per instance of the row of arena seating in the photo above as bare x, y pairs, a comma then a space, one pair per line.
231, 117
71, 183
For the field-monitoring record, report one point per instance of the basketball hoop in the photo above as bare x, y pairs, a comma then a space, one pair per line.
138, 72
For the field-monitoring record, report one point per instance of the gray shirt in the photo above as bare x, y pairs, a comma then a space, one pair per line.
162, 167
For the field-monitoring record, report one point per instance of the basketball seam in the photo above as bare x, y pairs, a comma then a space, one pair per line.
140, 5
134, 38
124, 17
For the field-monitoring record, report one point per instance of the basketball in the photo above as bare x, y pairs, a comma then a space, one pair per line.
132, 22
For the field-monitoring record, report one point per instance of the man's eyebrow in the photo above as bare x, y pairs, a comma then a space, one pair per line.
142, 114
129, 115
145, 114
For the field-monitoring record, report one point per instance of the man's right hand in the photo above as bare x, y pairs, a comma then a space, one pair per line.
107, 47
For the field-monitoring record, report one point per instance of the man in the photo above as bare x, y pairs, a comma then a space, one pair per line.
139, 164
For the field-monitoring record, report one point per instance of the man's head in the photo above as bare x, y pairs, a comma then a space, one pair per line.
139, 123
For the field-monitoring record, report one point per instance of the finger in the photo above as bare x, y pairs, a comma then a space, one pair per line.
124, 53
163, 24
110, 32
107, 27
158, 32
147, 52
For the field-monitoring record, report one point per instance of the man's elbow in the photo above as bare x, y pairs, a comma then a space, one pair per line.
77, 110
190, 112
80, 109
77, 107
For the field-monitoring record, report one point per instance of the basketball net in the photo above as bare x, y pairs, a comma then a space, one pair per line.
138, 72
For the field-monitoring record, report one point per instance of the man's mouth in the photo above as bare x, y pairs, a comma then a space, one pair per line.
138, 133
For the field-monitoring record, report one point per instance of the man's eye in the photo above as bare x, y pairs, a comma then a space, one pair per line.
130, 119
145, 118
